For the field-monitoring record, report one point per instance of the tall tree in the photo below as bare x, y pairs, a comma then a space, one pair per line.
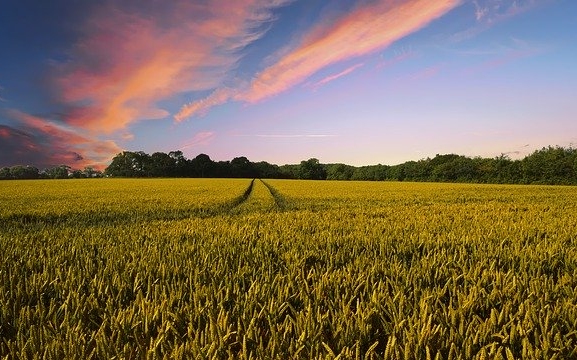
241, 167
58, 172
129, 164
201, 166
162, 165
24, 172
312, 169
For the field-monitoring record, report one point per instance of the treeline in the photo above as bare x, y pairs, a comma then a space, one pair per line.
174, 164
26, 172
550, 165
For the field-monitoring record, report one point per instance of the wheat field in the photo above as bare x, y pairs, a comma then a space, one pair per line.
286, 269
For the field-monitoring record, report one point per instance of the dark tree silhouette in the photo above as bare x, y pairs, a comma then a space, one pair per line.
551, 165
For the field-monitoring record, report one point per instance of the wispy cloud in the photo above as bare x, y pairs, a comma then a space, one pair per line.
127, 60
369, 27
425, 73
289, 136
398, 57
128, 57
480, 12
491, 12
218, 97
516, 49
333, 77
43, 143
127, 136
201, 138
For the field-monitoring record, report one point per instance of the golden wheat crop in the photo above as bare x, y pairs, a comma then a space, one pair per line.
280, 269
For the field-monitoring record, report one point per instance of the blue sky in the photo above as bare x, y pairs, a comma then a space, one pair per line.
359, 82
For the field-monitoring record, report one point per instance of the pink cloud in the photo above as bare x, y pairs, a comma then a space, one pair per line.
41, 141
200, 107
366, 29
201, 138
128, 60
24, 147
333, 77
53, 130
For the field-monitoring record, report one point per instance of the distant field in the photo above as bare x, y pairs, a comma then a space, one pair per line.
286, 269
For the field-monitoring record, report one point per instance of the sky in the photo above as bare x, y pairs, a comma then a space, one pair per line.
359, 82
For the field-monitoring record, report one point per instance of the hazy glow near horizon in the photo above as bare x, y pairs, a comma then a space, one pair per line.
360, 82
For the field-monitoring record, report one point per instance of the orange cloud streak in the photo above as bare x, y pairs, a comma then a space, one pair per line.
330, 78
64, 144
365, 30
201, 138
54, 131
128, 61
219, 96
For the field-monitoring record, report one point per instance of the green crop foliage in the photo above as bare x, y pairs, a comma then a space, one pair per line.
286, 269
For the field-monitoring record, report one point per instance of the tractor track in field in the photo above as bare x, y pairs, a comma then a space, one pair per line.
96, 219
279, 200
244, 197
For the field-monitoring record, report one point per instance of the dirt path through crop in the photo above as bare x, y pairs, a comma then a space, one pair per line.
279, 200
